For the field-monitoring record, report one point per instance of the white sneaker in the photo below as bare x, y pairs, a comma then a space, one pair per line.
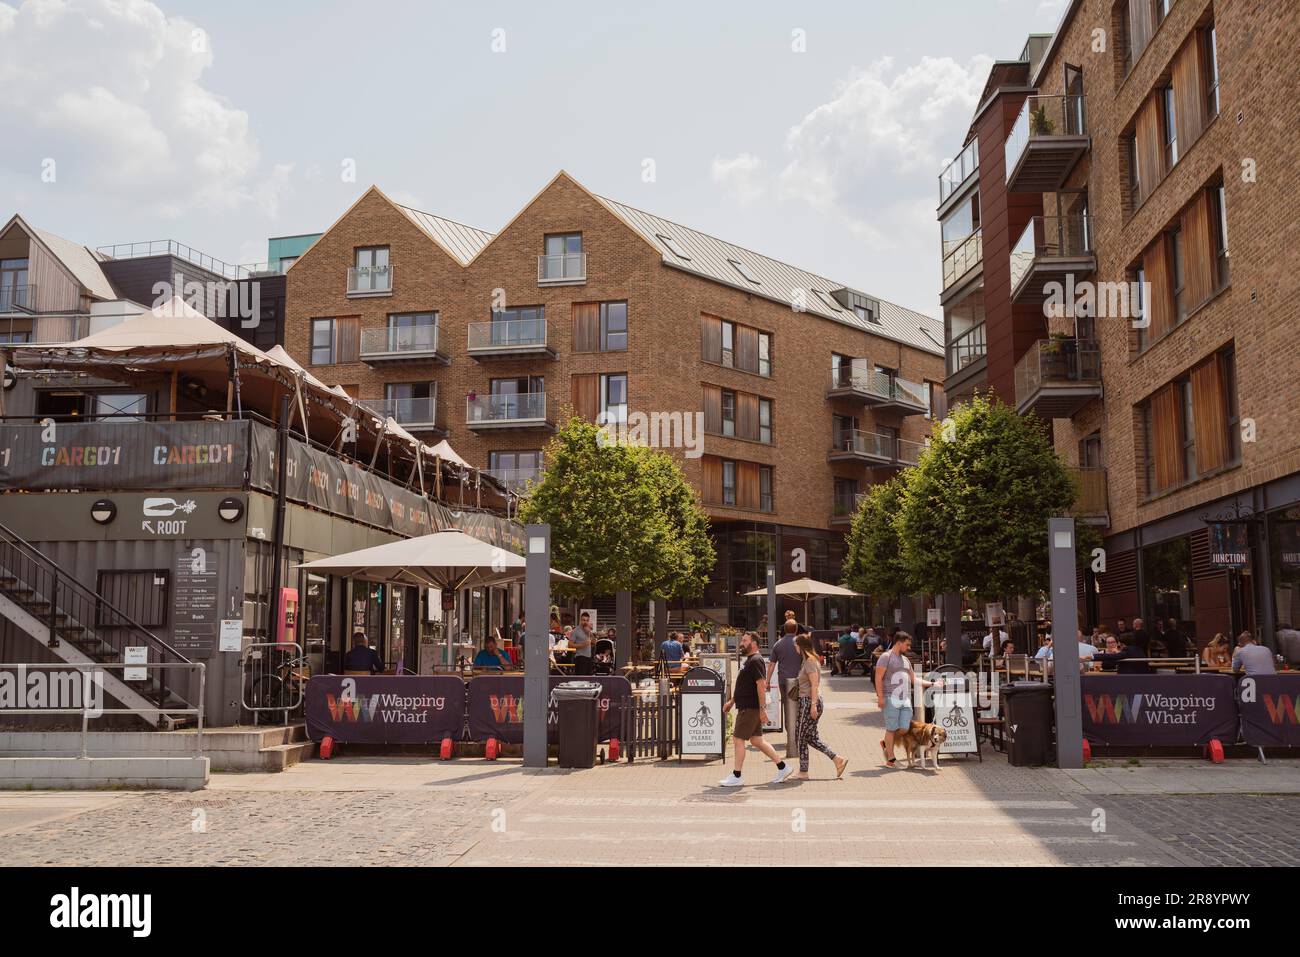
783, 773
731, 781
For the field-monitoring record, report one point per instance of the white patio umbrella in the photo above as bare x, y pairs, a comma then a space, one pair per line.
806, 589
448, 560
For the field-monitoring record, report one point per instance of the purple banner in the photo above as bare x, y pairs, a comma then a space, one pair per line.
385, 709
496, 707
1158, 710
1270, 710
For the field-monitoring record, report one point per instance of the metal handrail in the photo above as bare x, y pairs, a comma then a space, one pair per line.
506, 333
1045, 115
511, 407
967, 348
955, 173
370, 272
170, 247
562, 267
195, 710
878, 444
859, 378
253, 675
395, 340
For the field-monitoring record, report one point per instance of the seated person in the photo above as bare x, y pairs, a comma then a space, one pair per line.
848, 651
1117, 657
671, 650
1252, 657
491, 656
362, 657
1217, 653
1045, 652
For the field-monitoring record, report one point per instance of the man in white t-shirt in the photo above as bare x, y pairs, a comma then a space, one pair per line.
993, 641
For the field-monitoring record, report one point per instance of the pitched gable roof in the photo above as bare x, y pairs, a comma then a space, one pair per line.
79, 260
720, 261
461, 242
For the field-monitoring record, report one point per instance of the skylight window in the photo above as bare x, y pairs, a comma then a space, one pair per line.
830, 303
744, 271
672, 247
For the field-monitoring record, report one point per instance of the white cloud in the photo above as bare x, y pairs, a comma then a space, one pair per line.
882, 125
741, 176
113, 91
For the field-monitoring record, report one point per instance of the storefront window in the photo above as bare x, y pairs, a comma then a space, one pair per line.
1284, 554
1167, 577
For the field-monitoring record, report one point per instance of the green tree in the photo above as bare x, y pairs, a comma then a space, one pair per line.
975, 509
622, 517
873, 564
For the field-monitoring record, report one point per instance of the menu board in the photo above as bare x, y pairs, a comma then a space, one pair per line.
195, 612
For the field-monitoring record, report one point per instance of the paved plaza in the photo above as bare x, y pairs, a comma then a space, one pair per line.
354, 811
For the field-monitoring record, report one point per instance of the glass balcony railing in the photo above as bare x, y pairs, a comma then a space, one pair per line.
1047, 119
564, 267
408, 412
966, 348
1071, 365
877, 385
955, 173
909, 453
370, 280
17, 298
963, 256
399, 341
503, 335
503, 409
874, 445
846, 506
1051, 237
516, 480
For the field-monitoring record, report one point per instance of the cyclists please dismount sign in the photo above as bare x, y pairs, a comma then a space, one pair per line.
703, 725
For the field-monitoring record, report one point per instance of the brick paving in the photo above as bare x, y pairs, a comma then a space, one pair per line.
359, 810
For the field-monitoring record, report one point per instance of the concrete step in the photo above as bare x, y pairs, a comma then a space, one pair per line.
281, 756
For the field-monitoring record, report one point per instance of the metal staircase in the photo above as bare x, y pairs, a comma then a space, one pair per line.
79, 626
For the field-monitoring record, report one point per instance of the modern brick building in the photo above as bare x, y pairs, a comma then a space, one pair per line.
1143, 154
808, 390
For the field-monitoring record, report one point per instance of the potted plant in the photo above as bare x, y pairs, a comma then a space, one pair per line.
1040, 124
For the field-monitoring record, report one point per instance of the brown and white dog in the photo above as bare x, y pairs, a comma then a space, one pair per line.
921, 739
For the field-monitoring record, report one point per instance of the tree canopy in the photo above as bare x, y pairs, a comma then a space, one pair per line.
873, 564
623, 517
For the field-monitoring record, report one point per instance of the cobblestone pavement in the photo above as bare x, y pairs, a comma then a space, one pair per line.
359, 810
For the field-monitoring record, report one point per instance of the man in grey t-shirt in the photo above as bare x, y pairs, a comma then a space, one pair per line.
1252, 657
582, 643
786, 662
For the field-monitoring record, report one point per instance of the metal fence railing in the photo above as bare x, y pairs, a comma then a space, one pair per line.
274, 678
89, 710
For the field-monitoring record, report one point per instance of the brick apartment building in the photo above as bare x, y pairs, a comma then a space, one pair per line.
1147, 142
809, 390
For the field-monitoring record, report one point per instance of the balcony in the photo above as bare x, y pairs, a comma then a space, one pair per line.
967, 349
523, 410
562, 269
366, 281
909, 453
1092, 506
402, 344
17, 299
959, 170
1050, 251
962, 258
878, 390
1045, 143
845, 508
508, 339
414, 415
870, 448
1058, 377
515, 480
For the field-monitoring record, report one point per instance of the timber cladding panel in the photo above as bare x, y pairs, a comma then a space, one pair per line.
665, 359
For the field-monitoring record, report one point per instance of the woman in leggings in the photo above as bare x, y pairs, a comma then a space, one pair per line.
810, 709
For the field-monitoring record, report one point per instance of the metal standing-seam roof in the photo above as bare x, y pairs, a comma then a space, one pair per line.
80, 261
693, 251
461, 242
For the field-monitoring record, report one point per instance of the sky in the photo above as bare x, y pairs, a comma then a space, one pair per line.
812, 132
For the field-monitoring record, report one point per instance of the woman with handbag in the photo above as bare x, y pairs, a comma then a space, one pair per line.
810, 709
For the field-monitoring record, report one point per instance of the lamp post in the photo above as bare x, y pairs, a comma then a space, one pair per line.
537, 607
1065, 624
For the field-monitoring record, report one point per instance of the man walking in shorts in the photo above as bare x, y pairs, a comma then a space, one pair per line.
894, 680
748, 698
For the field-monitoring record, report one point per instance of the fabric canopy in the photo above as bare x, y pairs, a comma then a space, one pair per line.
447, 560
806, 588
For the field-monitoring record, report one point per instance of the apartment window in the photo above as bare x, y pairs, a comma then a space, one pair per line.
122, 406
865, 313
1143, 322
519, 385
827, 301
728, 344
14, 291
412, 331
765, 420
8, 337
1211, 72
766, 501
728, 412
672, 246
765, 353
1171, 127
562, 258
960, 223
613, 397
371, 273
335, 340
519, 314
1134, 171
1192, 424
1188, 428
515, 467
728, 482
1090, 451
846, 494
1179, 271
613, 326
1228, 372
411, 402
140, 595
844, 428
744, 271
1219, 211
